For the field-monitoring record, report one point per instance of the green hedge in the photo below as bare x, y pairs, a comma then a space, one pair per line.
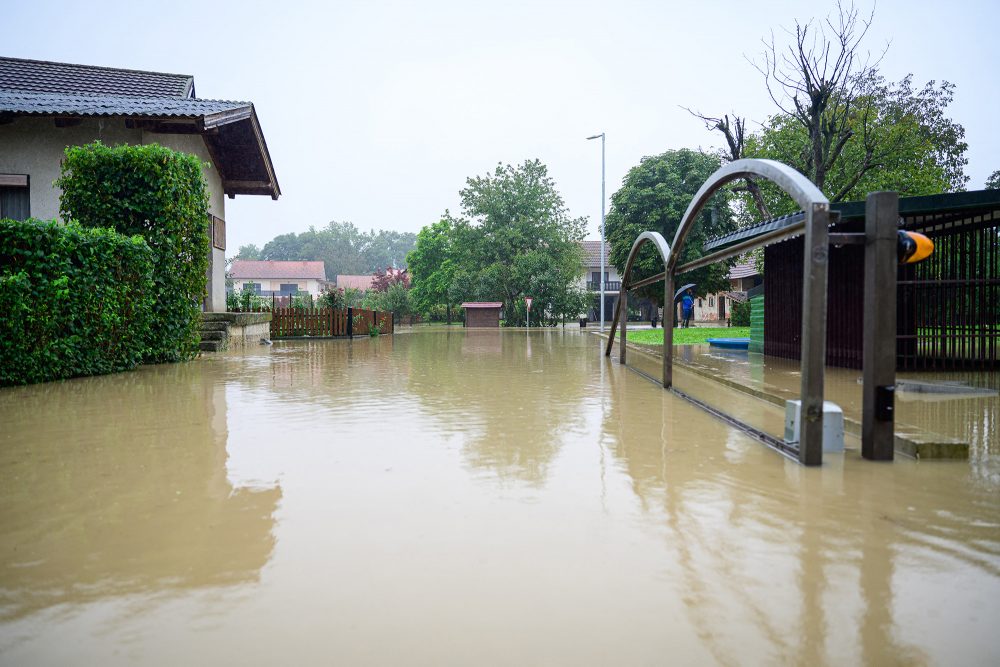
161, 195
73, 301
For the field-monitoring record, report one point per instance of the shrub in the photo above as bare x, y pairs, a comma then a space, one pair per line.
75, 301
160, 195
246, 301
740, 316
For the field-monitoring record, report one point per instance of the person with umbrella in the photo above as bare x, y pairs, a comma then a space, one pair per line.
687, 307
686, 296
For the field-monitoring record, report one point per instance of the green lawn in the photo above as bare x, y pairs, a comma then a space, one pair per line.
689, 336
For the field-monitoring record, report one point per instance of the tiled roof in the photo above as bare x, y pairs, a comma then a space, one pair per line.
48, 104
47, 77
592, 253
482, 304
363, 283
273, 269
743, 270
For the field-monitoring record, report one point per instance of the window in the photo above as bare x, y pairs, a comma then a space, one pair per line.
711, 301
254, 287
14, 197
289, 288
699, 303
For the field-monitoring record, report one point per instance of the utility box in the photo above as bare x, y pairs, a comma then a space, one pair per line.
833, 424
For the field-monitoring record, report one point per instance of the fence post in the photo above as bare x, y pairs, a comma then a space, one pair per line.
813, 346
350, 322
879, 347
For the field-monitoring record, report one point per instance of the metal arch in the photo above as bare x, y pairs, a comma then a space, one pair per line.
621, 308
801, 189
813, 340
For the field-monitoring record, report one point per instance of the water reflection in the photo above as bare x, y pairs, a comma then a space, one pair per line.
118, 485
516, 397
799, 561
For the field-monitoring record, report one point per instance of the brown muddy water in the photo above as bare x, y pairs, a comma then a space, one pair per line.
455, 497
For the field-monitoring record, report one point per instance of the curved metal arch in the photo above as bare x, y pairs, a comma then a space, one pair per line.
813, 340
801, 189
660, 243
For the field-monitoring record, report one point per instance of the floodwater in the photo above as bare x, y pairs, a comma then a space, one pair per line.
453, 497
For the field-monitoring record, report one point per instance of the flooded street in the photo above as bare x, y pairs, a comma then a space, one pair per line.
457, 497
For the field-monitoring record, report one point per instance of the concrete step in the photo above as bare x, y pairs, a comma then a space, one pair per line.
221, 336
214, 326
211, 346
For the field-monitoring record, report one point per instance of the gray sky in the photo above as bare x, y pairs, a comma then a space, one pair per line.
377, 112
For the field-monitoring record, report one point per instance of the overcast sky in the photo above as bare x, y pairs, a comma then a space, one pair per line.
377, 112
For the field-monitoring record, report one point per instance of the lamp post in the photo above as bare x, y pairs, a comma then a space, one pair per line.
601, 135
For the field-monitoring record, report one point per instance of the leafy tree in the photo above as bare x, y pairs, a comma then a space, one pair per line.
383, 280
653, 197
433, 264
516, 239
249, 252
993, 182
343, 248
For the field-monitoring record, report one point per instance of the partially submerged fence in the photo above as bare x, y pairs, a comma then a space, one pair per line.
328, 322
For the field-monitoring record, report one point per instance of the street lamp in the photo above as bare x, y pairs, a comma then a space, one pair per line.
601, 135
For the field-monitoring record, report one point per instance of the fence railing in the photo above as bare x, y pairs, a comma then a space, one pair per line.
609, 285
329, 322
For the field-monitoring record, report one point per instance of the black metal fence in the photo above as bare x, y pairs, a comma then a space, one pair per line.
947, 310
946, 307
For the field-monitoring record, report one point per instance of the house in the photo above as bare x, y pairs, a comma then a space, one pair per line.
590, 279
278, 278
47, 106
364, 282
717, 307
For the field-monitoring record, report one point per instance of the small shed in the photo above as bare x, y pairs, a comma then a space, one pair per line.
482, 314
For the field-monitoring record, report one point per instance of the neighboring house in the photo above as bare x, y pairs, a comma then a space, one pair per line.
718, 307
363, 283
46, 106
591, 279
277, 278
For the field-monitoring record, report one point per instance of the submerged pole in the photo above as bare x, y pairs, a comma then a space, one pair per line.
879, 347
814, 270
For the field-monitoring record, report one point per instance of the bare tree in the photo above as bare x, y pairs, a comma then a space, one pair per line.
821, 81
735, 133
825, 82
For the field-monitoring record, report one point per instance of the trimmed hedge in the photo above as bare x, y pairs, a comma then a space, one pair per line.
73, 301
161, 195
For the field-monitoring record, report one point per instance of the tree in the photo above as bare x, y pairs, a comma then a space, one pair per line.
432, 266
842, 125
249, 251
383, 280
653, 197
993, 182
515, 239
343, 248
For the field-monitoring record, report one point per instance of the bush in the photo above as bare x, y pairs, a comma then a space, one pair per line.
75, 301
246, 301
740, 316
160, 195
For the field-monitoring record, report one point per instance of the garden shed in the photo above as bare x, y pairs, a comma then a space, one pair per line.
482, 314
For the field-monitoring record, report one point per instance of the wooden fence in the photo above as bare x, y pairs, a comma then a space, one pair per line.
288, 322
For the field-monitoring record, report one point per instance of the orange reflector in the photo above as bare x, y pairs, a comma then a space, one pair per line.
923, 250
